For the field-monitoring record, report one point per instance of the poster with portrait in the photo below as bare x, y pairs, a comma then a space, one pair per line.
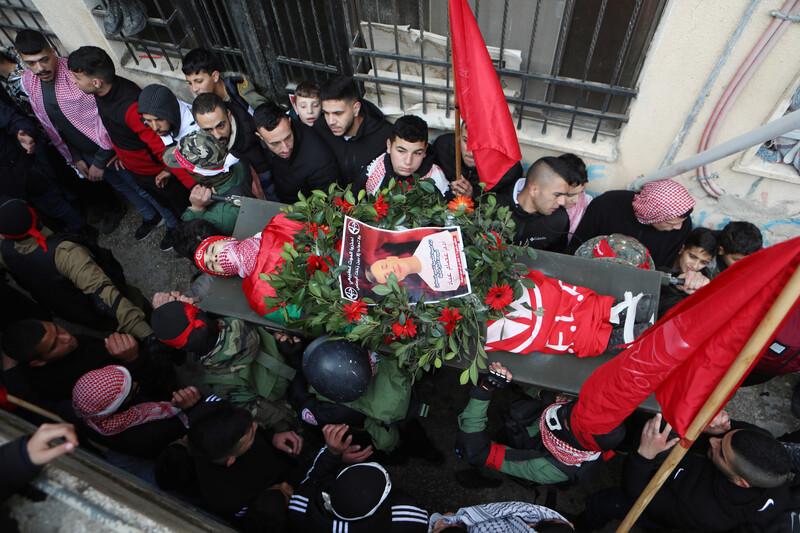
428, 261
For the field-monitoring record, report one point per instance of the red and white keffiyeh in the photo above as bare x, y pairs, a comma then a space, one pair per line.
238, 258
98, 394
562, 451
661, 200
376, 172
79, 108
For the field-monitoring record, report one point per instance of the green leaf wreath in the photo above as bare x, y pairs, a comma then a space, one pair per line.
420, 336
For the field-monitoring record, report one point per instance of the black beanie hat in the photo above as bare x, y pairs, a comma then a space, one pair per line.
184, 326
16, 219
159, 101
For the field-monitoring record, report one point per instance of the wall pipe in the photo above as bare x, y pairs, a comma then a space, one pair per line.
776, 128
701, 98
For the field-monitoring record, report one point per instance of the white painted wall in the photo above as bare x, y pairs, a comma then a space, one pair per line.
690, 38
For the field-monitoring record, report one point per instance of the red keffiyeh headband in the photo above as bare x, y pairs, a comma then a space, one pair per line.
199, 254
32, 231
662, 200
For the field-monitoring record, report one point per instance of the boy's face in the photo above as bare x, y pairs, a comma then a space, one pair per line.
308, 109
693, 258
406, 156
202, 82
731, 258
211, 255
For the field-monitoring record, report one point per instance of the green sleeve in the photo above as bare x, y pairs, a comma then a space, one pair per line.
221, 215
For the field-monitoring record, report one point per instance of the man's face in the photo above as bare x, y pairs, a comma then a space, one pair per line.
693, 258
44, 64
217, 123
202, 82
466, 155
669, 225
245, 443
340, 115
85, 83
308, 109
55, 344
280, 141
721, 454
549, 193
158, 125
406, 156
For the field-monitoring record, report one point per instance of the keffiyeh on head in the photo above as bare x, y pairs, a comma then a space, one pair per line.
98, 395
200, 253
238, 258
662, 200
552, 426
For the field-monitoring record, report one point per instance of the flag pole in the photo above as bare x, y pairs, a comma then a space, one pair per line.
457, 128
19, 402
755, 345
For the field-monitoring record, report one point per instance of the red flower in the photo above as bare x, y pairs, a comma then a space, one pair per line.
449, 317
381, 207
461, 204
499, 245
354, 310
404, 330
344, 204
313, 228
316, 262
499, 297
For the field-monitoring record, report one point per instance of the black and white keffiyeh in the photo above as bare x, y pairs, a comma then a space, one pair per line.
500, 517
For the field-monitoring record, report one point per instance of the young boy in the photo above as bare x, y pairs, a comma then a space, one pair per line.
406, 156
692, 266
737, 240
307, 103
203, 71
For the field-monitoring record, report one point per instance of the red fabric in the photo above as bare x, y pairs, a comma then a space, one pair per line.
684, 356
4, 403
492, 137
193, 324
33, 232
783, 356
497, 453
575, 320
278, 232
143, 162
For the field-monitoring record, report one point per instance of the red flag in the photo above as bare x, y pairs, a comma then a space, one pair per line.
683, 357
492, 137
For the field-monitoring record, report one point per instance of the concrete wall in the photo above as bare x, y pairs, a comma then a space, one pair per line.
689, 40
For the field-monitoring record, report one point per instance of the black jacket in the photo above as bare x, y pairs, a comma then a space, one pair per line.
612, 212
369, 141
311, 166
16, 468
697, 496
444, 148
247, 145
543, 232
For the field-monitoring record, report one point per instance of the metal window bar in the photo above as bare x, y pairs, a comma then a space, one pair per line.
10, 26
588, 62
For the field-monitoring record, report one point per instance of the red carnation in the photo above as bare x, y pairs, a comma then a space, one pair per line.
404, 330
381, 207
354, 310
313, 228
344, 204
316, 262
499, 297
499, 241
449, 317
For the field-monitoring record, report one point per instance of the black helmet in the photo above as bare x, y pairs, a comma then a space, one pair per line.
338, 369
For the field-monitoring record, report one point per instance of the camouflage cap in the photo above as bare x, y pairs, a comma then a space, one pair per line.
617, 248
198, 152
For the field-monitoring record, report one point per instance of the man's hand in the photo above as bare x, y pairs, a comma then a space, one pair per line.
95, 173
185, 398
39, 450
654, 441
83, 168
720, 425
692, 281
283, 337
161, 298
116, 162
461, 186
122, 346
286, 489
200, 197
27, 142
162, 178
288, 442
339, 445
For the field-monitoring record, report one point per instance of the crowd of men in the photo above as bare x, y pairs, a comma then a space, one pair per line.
81, 142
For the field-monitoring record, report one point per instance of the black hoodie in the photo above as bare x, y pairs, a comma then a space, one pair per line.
369, 141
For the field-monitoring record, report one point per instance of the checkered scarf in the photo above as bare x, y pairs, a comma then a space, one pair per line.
79, 108
661, 200
98, 394
562, 451
238, 258
499, 517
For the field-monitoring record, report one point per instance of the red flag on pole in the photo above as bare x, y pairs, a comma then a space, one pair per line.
492, 137
683, 357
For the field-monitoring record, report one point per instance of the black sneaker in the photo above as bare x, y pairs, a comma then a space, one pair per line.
166, 242
147, 226
111, 220
645, 309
